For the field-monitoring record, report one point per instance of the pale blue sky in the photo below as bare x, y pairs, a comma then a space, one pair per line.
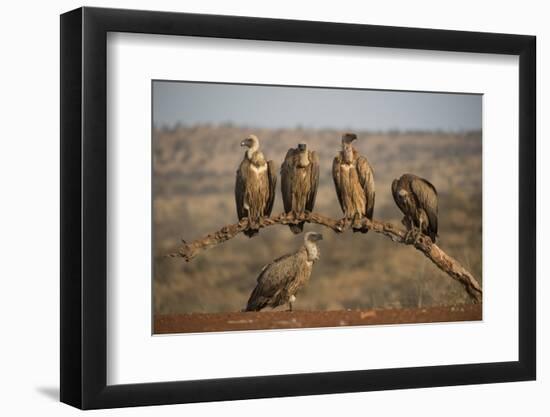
190, 103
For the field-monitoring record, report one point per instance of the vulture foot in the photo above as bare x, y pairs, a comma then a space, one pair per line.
356, 222
358, 225
416, 234
341, 224
412, 235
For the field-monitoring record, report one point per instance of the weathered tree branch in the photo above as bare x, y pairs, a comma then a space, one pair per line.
424, 244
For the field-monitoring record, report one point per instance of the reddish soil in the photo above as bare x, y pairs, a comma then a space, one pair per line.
215, 322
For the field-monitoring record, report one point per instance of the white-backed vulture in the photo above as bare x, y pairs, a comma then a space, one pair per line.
417, 199
299, 182
280, 280
354, 181
255, 185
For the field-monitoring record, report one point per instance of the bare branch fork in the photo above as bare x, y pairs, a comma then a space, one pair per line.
424, 244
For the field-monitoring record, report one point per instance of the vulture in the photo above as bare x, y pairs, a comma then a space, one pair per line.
255, 185
354, 181
299, 182
417, 199
280, 280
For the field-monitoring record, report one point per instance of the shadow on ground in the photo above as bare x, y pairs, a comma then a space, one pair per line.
50, 392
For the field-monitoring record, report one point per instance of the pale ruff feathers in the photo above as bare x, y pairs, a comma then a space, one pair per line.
313, 252
255, 193
353, 195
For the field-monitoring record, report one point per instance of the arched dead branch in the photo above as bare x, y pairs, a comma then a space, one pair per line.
424, 244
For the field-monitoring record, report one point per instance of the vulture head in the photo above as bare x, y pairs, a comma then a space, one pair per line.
403, 196
313, 237
251, 142
348, 138
302, 147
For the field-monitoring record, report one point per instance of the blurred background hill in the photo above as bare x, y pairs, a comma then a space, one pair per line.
194, 173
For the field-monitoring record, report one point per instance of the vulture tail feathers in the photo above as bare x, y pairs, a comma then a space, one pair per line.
255, 305
297, 228
256, 302
358, 228
362, 230
251, 232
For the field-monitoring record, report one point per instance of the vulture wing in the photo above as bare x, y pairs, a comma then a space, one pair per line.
240, 188
314, 180
272, 174
271, 281
287, 177
426, 195
337, 179
366, 179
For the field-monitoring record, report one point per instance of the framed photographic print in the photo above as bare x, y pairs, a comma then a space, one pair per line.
258, 207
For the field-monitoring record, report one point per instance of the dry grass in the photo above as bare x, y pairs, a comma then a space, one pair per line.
194, 173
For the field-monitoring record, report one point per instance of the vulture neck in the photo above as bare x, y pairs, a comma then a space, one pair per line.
303, 160
312, 251
252, 150
347, 152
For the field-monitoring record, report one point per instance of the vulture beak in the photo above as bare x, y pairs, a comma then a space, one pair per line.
317, 236
243, 143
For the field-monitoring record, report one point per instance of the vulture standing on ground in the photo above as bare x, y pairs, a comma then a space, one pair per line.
299, 182
255, 185
354, 181
417, 199
280, 280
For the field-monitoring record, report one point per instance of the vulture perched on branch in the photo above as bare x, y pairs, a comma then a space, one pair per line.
354, 181
417, 199
255, 185
280, 280
299, 182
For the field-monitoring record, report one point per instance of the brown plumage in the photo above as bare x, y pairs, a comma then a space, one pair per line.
354, 181
255, 185
280, 280
299, 182
417, 199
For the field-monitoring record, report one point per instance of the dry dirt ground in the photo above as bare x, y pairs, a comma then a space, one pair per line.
212, 322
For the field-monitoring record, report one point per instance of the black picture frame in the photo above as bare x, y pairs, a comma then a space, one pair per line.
84, 207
